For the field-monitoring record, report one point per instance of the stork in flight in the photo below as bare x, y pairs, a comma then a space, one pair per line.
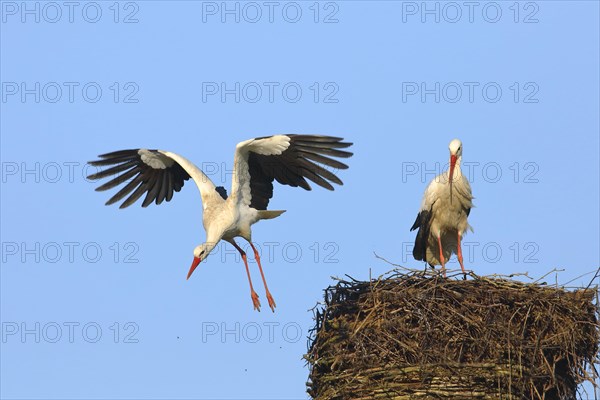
442, 219
288, 159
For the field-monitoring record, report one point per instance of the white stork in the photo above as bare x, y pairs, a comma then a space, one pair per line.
288, 159
442, 219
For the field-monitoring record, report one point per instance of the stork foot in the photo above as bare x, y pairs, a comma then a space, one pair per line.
255, 301
271, 301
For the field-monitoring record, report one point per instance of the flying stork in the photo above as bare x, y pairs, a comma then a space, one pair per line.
442, 219
288, 159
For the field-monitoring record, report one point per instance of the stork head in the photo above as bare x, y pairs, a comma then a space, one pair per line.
200, 253
455, 148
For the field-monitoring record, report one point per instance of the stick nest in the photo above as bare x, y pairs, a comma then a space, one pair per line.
418, 335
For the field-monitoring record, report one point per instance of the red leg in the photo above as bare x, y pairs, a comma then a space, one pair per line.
253, 294
442, 260
269, 297
460, 257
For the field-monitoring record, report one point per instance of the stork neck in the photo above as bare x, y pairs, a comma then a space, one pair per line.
210, 245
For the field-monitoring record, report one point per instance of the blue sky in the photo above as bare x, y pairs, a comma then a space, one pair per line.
94, 299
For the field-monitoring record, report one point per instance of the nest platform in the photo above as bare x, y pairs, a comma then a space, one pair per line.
419, 335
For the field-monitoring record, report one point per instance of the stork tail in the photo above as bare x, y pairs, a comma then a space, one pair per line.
269, 214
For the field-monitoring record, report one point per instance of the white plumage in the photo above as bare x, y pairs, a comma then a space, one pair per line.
288, 159
442, 218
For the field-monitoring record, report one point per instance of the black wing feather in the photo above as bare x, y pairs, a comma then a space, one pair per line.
130, 187
113, 170
169, 187
423, 224
295, 165
261, 183
154, 187
118, 180
322, 159
127, 165
135, 195
222, 192
163, 189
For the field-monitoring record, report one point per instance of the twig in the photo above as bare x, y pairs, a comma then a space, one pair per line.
548, 273
395, 265
597, 274
581, 276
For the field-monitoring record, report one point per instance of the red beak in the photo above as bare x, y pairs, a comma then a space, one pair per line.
193, 267
450, 176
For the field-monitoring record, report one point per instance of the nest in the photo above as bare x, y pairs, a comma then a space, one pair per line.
419, 335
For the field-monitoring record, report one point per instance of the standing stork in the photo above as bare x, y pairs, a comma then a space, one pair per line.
288, 159
442, 219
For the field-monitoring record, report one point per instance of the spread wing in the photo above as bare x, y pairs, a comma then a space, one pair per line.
288, 159
148, 172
